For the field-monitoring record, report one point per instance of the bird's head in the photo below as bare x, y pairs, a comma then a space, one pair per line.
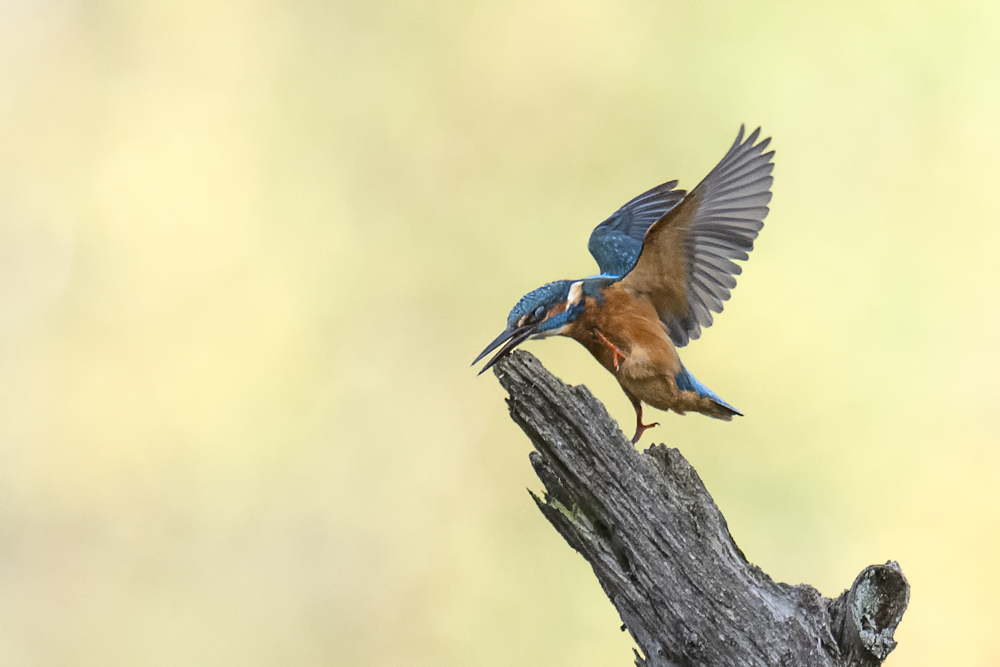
543, 312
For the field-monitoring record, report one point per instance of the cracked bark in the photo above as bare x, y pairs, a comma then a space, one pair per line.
663, 553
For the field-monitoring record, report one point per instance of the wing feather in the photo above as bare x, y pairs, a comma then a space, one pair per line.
617, 242
685, 266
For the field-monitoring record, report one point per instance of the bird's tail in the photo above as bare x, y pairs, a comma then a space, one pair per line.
687, 382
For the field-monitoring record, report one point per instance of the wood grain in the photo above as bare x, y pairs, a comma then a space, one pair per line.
662, 551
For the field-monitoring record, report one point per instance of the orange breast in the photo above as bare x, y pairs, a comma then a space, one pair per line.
648, 371
632, 325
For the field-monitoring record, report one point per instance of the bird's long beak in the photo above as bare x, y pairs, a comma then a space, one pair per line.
510, 338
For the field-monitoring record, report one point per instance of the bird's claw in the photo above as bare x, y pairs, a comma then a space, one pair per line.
640, 428
615, 351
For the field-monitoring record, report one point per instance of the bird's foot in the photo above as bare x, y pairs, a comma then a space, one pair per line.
640, 428
615, 351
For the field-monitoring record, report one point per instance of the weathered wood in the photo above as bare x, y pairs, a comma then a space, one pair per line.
663, 553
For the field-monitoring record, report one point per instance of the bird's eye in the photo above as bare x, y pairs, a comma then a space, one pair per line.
539, 312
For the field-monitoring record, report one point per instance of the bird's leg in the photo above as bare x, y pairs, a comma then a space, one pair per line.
640, 428
615, 351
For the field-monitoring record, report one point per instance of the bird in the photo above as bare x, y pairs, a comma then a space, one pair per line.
666, 261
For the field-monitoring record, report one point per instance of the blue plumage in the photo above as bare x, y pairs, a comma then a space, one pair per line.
687, 382
617, 242
616, 253
559, 320
543, 297
535, 305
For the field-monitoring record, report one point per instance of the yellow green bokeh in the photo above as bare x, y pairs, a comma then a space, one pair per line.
248, 250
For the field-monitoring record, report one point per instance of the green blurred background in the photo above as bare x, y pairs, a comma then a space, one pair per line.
248, 250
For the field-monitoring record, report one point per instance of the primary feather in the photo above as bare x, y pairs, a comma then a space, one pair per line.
685, 265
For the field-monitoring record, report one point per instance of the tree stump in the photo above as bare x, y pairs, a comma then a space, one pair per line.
663, 553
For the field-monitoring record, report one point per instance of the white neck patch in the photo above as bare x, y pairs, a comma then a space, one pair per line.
575, 294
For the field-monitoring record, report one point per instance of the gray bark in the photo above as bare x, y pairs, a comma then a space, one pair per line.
663, 553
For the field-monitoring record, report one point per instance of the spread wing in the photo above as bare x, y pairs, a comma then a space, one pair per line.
685, 268
617, 242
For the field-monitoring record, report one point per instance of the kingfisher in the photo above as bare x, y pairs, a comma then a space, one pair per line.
666, 264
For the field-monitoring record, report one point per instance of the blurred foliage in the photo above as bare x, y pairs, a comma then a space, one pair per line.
248, 250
